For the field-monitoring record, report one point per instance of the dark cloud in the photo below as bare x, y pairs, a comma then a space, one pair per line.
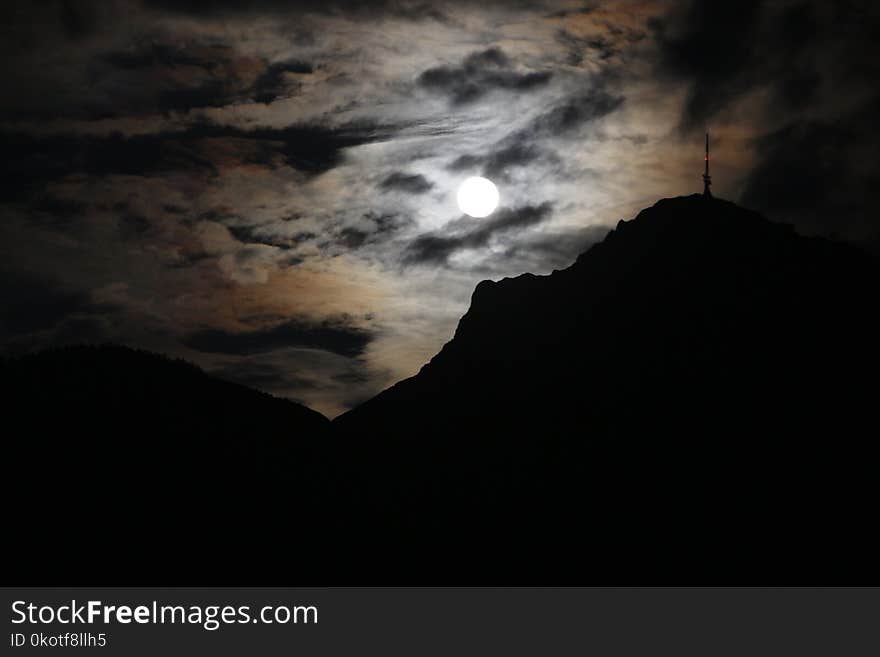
353, 376
371, 228
61, 209
381, 225
339, 338
815, 174
601, 48
275, 82
261, 234
554, 250
163, 74
409, 183
33, 303
79, 19
39, 312
575, 112
261, 375
31, 161
480, 73
352, 238
724, 50
95, 328
436, 248
60, 61
584, 8
159, 71
132, 225
308, 148
712, 45
797, 79
160, 55
497, 163
375, 9
388, 222
519, 148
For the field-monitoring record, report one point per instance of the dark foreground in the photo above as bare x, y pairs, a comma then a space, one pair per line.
694, 401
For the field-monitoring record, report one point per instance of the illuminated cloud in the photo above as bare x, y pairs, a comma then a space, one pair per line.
268, 188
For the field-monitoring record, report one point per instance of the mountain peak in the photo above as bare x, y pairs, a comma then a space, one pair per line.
680, 379
682, 255
698, 220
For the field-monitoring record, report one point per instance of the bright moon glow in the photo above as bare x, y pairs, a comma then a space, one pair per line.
477, 197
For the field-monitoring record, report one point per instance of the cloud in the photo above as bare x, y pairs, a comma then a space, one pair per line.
164, 73
262, 375
604, 47
336, 337
815, 173
437, 248
352, 238
39, 312
521, 148
574, 112
374, 10
724, 51
497, 163
249, 265
226, 166
276, 81
321, 380
408, 183
713, 47
31, 161
78, 19
480, 73
33, 303
370, 229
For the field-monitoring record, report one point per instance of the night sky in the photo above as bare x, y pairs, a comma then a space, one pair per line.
267, 188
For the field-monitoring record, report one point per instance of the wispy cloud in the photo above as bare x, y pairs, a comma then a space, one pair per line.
224, 181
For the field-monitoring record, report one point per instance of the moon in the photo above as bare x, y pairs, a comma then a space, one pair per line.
477, 197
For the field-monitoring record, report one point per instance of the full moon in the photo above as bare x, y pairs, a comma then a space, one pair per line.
477, 197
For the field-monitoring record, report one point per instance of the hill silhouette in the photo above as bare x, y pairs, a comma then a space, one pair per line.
691, 402
124, 463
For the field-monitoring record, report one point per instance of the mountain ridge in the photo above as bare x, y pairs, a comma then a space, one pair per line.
690, 402
102, 353
659, 222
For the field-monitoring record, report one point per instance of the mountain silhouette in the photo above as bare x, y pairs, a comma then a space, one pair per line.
693, 401
124, 463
